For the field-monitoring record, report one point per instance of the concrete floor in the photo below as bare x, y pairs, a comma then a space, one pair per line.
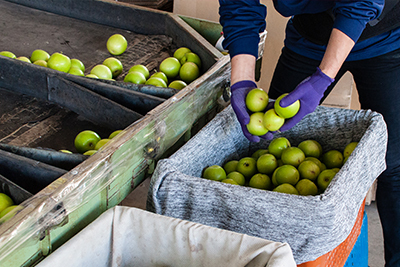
375, 238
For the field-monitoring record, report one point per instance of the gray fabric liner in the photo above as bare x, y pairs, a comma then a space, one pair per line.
311, 225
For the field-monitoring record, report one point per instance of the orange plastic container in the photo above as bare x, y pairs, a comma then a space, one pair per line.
338, 256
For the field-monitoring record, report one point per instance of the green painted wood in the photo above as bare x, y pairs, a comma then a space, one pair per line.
59, 211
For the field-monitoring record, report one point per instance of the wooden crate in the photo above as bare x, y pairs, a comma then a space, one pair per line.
72, 201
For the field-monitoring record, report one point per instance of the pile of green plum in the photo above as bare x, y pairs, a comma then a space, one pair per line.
305, 169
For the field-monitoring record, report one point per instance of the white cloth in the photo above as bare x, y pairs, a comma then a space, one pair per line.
125, 236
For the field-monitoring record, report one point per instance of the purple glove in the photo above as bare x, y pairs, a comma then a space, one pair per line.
309, 92
238, 101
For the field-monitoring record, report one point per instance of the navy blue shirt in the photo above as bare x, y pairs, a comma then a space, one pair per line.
351, 18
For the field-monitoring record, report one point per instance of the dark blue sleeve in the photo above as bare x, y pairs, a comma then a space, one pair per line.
351, 16
242, 23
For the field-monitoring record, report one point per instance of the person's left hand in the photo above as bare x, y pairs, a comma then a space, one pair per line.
309, 92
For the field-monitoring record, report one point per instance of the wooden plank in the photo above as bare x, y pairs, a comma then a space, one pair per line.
49, 126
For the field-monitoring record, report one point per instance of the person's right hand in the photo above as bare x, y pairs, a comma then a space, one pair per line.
239, 92
309, 92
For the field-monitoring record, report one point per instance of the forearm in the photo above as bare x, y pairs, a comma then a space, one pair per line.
338, 49
350, 20
243, 68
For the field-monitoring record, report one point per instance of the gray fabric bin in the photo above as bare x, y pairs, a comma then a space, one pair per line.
311, 225
124, 236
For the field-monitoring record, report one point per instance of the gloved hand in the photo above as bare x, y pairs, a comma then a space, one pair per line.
309, 92
239, 92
